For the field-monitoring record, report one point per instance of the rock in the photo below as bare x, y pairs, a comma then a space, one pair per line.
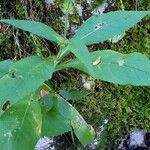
136, 140
45, 143
49, 2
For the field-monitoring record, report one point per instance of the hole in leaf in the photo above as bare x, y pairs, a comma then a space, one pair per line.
13, 75
99, 26
6, 105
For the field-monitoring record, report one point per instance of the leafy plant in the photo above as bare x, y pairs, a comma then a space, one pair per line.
31, 109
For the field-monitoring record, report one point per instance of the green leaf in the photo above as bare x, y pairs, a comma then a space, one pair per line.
84, 132
53, 122
133, 68
82, 53
47, 102
4, 67
20, 125
60, 119
24, 77
72, 94
36, 28
100, 28
65, 109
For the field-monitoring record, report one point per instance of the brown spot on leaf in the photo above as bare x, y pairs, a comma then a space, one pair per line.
43, 92
97, 61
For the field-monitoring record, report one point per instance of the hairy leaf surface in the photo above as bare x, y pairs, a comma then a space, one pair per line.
53, 122
133, 68
100, 28
37, 28
24, 77
20, 125
61, 117
4, 67
84, 132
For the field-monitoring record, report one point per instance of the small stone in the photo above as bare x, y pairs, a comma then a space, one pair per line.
79, 9
45, 143
88, 85
49, 2
135, 140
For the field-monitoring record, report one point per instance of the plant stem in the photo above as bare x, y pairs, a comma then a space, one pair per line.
66, 19
122, 6
48, 88
66, 24
62, 51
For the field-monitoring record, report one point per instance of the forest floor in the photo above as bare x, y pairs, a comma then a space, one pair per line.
124, 107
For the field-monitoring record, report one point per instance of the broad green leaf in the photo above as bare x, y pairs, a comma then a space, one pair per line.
20, 125
36, 28
60, 119
133, 68
53, 122
84, 132
72, 94
24, 77
4, 67
82, 53
100, 28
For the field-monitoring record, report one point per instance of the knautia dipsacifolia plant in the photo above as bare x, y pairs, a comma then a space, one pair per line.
32, 114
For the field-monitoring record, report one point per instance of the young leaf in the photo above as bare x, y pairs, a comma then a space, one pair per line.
100, 28
24, 77
67, 7
53, 122
117, 68
4, 67
20, 125
36, 28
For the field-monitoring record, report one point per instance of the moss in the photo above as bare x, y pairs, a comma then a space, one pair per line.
20, 9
